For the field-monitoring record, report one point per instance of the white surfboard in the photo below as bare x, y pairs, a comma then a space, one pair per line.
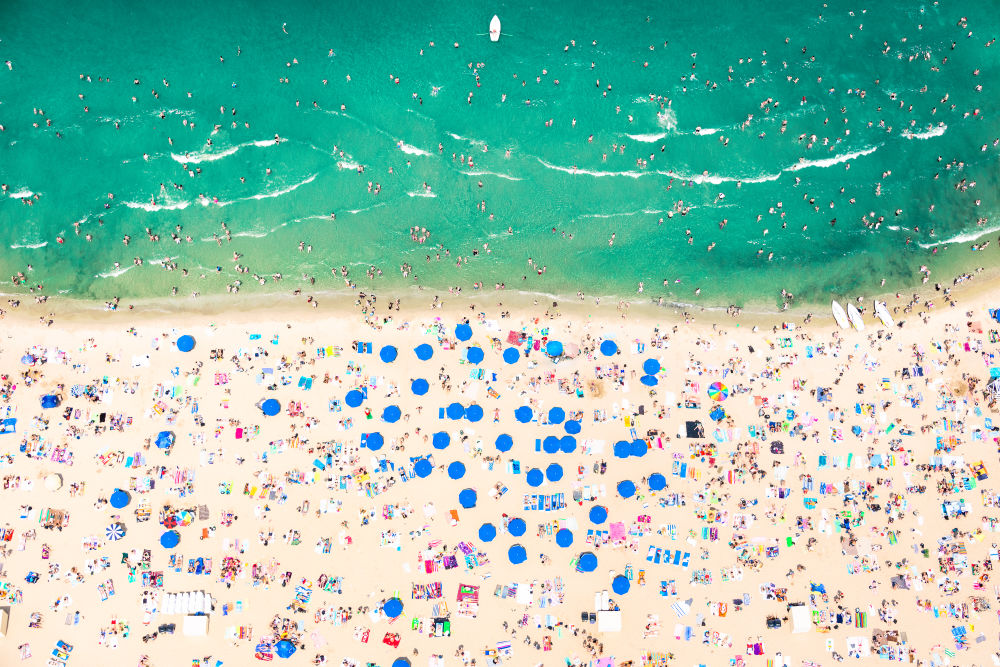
495, 29
855, 316
882, 312
840, 316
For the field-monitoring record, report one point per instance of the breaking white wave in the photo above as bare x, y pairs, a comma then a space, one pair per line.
830, 161
29, 246
937, 131
147, 206
964, 237
159, 262
474, 142
589, 172
117, 272
21, 194
492, 173
646, 138
348, 165
667, 119
706, 130
423, 193
410, 150
211, 156
278, 193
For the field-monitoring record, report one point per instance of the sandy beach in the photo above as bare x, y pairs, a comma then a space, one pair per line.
676, 489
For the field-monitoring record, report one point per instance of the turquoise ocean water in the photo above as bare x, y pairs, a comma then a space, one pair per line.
847, 131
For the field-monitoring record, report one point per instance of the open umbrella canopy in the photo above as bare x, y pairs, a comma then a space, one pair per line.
185, 343
440, 440
455, 411
554, 348
567, 444
419, 386
651, 366
554, 472
50, 401
718, 414
572, 427
564, 537
504, 442
534, 477
511, 355
354, 398
115, 531
423, 351
120, 499
423, 468
467, 498
388, 354
587, 562
475, 355
638, 448
718, 391
53, 482
620, 585
598, 514
164, 439
456, 470
523, 414
622, 449
401, 662
463, 332
517, 554
626, 488
556, 415
657, 482
649, 380
373, 441
550, 445
608, 347
284, 649
391, 414
270, 407
517, 527
487, 532
474, 413
170, 539
393, 607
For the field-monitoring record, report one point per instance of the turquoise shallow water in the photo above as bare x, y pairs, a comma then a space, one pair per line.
682, 123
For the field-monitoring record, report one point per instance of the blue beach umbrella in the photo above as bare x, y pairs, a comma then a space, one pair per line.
373, 441
523, 414
657, 482
423, 351
467, 498
271, 407
567, 444
185, 343
354, 398
165, 439
455, 411
391, 414
511, 355
622, 449
556, 415
553, 348
504, 442
620, 585
401, 662
419, 386
517, 554
463, 332
284, 649
440, 440
598, 514
608, 347
120, 499
170, 539
626, 488
638, 448
550, 445
649, 380
651, 366
572, 427
393, 607
474, 355
517, 527
554, 472
564, 537
487, 532
423, 468
474, 413
456, 470
50, 401
587, 562
387, 354
534, 477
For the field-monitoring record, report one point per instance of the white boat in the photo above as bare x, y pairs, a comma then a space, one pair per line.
495, 29
840, 316
855, 316
883, 314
